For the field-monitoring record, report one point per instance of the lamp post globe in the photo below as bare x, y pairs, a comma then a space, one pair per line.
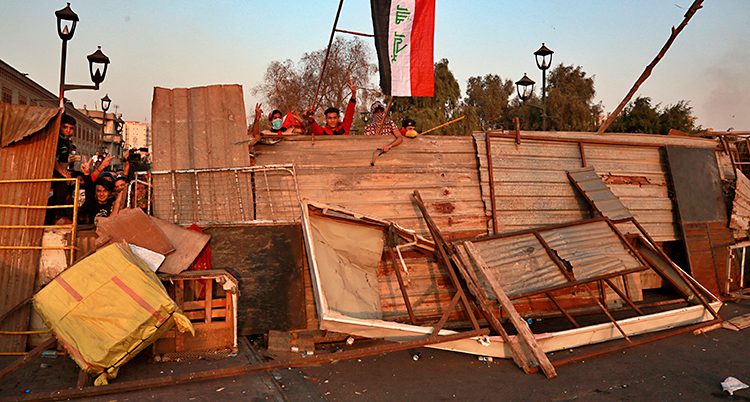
105, 103
525, 88
543, 57
98, 63
66, 22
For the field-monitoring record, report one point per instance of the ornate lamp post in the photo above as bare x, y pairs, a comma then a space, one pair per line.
543, 62
98, 62
525, 88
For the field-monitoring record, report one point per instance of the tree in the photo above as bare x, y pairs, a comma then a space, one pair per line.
570, 100
640, 116
291, 86
488, 96
679, 117
443, 106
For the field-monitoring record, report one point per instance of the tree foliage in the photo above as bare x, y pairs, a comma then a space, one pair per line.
291, 86
488, 97
570, 100
640, 116
445, 105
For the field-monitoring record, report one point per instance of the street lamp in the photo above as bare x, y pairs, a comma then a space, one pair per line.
525, 88
106, 102
98, 62
543, 62
105, 106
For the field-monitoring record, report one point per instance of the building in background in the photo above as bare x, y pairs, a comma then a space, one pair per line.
137, 134
16, 87
110, 126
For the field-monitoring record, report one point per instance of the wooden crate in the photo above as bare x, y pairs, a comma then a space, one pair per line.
209, 300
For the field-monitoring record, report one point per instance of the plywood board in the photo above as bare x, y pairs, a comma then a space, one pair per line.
188, 245
268, 264
133, 226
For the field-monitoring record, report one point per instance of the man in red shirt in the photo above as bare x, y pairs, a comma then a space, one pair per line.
333, 125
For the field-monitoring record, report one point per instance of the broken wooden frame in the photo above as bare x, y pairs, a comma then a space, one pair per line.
478, 275
357, 323
235, 195
213, 316
605, 204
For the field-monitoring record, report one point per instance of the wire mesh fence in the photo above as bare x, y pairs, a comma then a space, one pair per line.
252, 194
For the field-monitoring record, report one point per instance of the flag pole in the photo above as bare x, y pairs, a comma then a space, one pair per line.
325, 62
328, 51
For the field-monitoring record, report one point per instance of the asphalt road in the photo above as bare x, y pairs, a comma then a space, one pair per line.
686, 367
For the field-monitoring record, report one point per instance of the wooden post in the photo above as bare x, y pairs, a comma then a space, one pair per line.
518, 354
524, 332
697, 4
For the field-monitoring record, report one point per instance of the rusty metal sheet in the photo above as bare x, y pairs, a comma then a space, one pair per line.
29, 158
251, 194
702, 212
707, 246
740, 219
521, 265
200, 127
19, 121
598, 194
337, 171
532, 188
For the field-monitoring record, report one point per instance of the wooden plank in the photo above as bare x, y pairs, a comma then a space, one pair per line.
519, 356
737, 323
524, 332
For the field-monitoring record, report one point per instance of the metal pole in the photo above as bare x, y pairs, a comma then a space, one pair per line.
74, 225
328, 51
63, 58
544, 97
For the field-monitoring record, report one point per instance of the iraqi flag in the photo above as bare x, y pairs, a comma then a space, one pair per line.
404, 40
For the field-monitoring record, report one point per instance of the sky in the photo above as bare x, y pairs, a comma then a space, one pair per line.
170, 43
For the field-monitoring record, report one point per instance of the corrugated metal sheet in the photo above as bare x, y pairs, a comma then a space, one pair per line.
520, 264
199, 128
253, 194
195, 128
13, 129
740, 219
598, 194
337, 171
30, 158
533, 190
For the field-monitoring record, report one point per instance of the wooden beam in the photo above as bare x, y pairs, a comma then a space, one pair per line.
697, 4
33, 354
440, 247
392, 244
524, 332
518, 354
555, 258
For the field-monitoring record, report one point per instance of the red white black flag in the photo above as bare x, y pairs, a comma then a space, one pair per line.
404, 40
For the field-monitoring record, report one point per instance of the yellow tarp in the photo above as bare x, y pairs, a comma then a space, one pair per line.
107, 308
